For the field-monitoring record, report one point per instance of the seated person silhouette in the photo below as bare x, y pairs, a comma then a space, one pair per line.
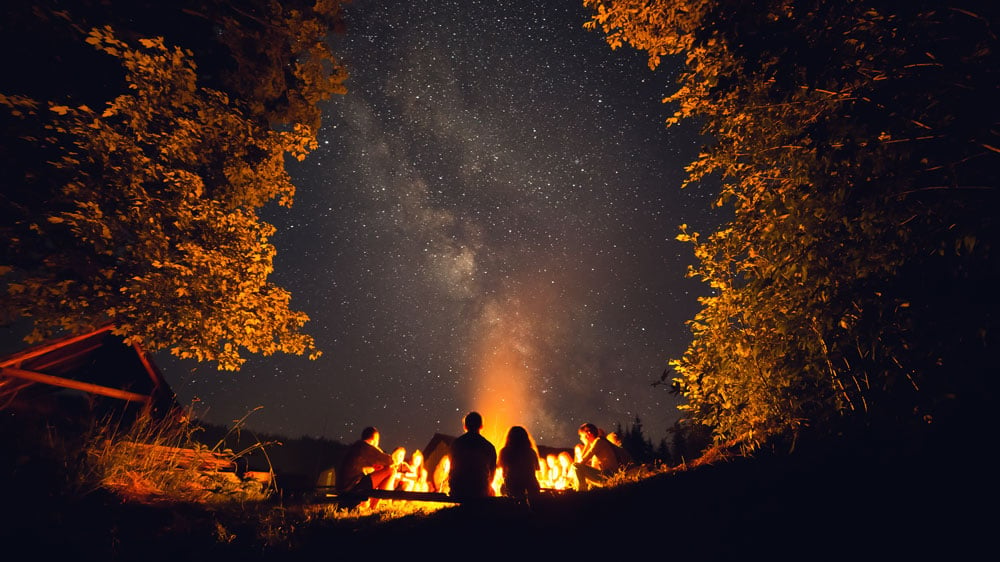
473, 462
365, 467
519, 462
597, 460
624, 457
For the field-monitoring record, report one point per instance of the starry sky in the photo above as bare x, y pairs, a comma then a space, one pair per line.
489, 223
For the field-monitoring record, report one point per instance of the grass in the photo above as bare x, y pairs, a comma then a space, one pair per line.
386, 510
90, 498
149, 459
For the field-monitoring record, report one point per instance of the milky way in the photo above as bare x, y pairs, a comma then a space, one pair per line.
489, 223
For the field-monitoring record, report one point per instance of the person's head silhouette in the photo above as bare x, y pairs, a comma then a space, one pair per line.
371, 435
473, 422
518, 438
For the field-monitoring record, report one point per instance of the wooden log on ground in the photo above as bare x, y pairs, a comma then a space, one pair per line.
332, 495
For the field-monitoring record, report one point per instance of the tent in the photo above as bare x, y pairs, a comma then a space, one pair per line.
97, 363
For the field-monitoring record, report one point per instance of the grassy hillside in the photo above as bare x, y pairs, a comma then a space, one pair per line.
849, 499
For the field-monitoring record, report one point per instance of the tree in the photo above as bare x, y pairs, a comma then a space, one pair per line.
688, 441
857, 147
276, 56
636, 443
144, 213
662, 453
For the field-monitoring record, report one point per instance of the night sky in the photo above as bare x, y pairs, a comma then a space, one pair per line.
489, 223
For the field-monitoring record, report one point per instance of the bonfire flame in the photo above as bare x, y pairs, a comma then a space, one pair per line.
555, 472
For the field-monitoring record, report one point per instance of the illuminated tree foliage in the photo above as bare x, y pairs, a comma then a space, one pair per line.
144, 212
857, 145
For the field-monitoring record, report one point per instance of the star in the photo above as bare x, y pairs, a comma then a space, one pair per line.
489, 224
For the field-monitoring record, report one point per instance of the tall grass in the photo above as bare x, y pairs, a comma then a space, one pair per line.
151, 459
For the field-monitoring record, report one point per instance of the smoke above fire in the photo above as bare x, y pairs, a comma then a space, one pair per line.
508, 388
503, 393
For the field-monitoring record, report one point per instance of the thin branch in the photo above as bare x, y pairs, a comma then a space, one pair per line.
958, 163
236, 426
978, 17
944, 187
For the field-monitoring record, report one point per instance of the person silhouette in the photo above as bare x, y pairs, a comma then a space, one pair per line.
598, 460
519, 461
624, 457
473, 462
365, 467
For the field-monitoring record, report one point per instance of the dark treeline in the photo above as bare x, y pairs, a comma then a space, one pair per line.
296, 462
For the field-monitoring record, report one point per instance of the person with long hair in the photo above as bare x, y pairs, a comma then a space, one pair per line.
519, 461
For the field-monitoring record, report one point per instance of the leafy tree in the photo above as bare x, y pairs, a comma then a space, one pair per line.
143, 213
857, 144
276, 57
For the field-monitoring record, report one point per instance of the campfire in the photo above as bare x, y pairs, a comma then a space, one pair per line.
555, 473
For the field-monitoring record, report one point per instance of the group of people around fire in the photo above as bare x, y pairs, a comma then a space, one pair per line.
474, 469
